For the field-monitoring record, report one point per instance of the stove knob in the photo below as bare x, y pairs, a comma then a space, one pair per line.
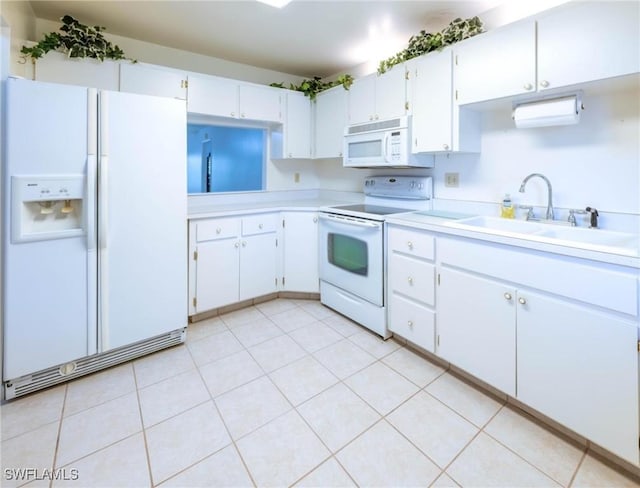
366, 182
413, 184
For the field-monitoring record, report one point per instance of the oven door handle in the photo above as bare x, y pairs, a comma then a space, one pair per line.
350, 221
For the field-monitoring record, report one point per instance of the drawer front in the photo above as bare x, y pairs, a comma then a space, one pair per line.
259, 224
412, 242
209, 230
412, 321
413, 278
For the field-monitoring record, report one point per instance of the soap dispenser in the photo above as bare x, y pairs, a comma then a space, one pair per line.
507, 210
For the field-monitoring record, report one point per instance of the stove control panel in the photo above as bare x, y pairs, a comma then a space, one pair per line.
418, 187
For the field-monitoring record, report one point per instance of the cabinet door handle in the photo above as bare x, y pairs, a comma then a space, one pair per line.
410, 245
236, 245
410, 323
315, 220
446, 147
507, 296
410, 280
528, 86
289, 154
376, 117
244, 243
522, 301
233, 114
544, 83
259, 226
218, 230
242, 115
370, 117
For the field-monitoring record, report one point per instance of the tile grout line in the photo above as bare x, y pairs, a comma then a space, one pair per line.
144, 430
55, 451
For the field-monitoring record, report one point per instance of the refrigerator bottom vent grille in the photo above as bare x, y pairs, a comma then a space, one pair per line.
52, 376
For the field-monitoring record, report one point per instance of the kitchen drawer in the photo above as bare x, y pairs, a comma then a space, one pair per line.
413, 278
411, 242
412, 321
259, 224
209, 230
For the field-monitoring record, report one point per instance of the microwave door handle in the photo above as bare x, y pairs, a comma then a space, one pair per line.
387, 157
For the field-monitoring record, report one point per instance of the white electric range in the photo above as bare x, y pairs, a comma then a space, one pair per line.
352, 247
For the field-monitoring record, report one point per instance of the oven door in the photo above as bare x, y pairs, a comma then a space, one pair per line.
351, 255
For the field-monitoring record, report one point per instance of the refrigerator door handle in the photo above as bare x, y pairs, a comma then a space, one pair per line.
102, 206
91, 202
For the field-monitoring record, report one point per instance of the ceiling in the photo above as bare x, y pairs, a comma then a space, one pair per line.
305, 38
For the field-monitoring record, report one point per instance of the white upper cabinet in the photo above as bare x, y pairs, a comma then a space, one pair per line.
438, 124
212, 95
378, 97
58, 68
330, 121
260, 103
588, 41
153, 80
293, 139
500, 63
223, 97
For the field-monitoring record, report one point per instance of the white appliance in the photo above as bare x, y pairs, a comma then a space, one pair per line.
94, 231
352, 249
384, 143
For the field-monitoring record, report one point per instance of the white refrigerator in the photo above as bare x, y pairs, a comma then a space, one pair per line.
94, 230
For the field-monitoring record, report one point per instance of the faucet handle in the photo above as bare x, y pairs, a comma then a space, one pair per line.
529, 210
572, 215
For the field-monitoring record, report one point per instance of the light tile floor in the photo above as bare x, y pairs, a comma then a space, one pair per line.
284, 393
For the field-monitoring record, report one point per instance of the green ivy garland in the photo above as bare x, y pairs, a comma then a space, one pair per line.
315, 85
425, 42
76, 41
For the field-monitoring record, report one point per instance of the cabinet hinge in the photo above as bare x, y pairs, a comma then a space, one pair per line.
638, 346
195, 301
456, 60
456, 94
406, 74
195, 255
406, 105
276, 242
283, 223
438, 340
283, 281
276, 279
184, 84
438, 279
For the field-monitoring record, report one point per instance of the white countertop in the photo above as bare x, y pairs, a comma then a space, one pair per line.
215, 210
438, 224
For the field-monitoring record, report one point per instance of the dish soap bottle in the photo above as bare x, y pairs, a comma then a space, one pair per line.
507, 210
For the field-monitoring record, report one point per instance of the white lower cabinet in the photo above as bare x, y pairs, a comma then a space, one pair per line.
541, 328
476, 327
300, 244
231, 259
411, 285
579, 366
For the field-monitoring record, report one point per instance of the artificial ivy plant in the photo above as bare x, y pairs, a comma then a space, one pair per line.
315, 85
425, 42
76, 40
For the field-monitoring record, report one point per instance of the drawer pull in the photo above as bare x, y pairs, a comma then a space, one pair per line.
507, 296
410, 323
259, 226
218, 230
410, 280
522, 301
410, 245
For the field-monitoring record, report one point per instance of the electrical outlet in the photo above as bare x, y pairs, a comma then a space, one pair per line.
452, 180
296, 177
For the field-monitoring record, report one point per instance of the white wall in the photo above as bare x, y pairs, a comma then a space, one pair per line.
19, 17
175, 58
595, 163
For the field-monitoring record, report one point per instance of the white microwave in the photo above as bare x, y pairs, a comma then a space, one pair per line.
384, 143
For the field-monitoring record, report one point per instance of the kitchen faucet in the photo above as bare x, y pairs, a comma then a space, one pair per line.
549, 192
